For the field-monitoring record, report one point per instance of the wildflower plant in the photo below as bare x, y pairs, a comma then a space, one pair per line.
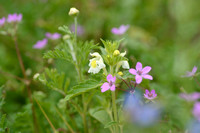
100, 71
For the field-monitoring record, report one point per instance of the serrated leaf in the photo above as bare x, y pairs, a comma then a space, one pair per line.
64, 29
110, 124
82, 88
111, 46
58, 54
54, 80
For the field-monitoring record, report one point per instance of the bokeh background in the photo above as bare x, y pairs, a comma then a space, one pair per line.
164, 34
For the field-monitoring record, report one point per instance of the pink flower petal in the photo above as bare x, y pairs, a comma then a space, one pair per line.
138, 79
146, 76
152, 91
194, 69
146, 69
146, 91
133, 71
105, 87
139, 66
109, 77
112, 88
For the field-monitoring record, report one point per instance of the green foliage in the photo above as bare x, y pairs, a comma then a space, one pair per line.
101, 115
58, 54
3, 127
23, 122
81, 88
54, 80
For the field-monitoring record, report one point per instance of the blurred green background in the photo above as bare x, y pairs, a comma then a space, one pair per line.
164, 34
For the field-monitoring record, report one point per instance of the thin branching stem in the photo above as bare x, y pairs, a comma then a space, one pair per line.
49, 121
196, 80
114, 107
66, 123
25, 78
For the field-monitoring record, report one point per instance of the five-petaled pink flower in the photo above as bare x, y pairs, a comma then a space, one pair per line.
121, 30
52, 36
190, 97
140, 72
150, 95
40, 44
2, 21
14, 18
192, 73
196, 110
110, 84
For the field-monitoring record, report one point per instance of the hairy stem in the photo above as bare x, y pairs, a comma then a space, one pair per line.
26, 79
114, 107
80, 79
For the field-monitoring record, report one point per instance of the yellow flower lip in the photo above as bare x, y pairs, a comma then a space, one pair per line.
116, 53
120, 73
94, 64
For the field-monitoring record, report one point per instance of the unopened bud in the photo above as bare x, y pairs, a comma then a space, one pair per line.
116, 53
73, 11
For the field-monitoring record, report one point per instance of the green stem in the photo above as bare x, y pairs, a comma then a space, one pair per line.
80, 79
84, 114
66, 123
49, 121
76, 24
114, 107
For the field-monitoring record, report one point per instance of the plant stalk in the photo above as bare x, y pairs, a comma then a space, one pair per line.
26, 79
114, 107
80, 79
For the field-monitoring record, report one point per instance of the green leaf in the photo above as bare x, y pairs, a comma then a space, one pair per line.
111, 46
54, 80
64, 29
82, 88
58, 54
110, 124
101, 115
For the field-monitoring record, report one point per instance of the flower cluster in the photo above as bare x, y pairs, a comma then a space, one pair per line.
121, 30
42, 43
12, 18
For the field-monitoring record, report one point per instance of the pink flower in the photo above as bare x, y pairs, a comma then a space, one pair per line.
40, 44
14, 18
196, 110
110, 84
2, 21
141, 72
150, 95
190, 97
53, 36
192, 73
121, 30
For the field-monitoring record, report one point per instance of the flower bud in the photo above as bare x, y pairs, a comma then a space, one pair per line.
120, 73
73, 11
116, 53
66, 37
36, 76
